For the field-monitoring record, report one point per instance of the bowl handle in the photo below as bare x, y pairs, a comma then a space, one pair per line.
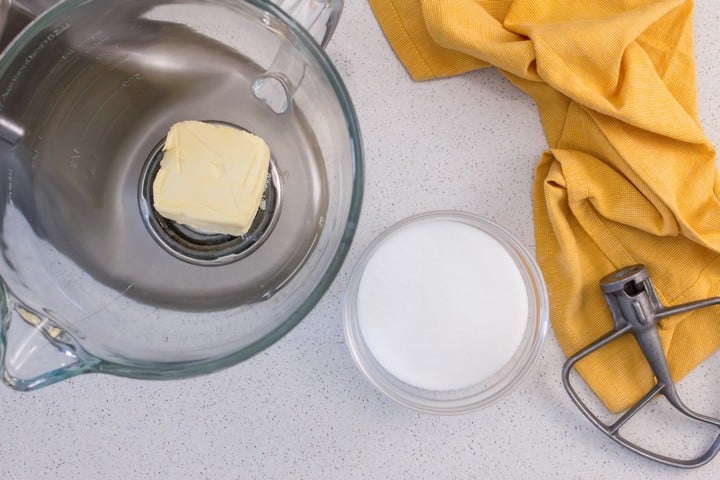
277, 85
318, 17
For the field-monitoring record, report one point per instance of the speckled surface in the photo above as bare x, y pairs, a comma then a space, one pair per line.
301, 409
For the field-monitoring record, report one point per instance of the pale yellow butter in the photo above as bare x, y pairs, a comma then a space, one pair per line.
211, 177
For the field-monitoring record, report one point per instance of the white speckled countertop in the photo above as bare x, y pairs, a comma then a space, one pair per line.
301, 409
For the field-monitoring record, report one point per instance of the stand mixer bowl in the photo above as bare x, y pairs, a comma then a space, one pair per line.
93, 279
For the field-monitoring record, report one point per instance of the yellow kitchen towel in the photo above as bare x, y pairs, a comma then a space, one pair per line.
629, 176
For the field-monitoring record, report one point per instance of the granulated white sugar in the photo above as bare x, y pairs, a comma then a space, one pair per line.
442, 305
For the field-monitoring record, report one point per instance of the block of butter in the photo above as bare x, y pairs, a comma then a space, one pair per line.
211, 177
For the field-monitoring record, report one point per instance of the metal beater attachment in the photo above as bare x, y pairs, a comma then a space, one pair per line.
637, 310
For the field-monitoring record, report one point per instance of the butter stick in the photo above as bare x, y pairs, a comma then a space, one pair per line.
211, 177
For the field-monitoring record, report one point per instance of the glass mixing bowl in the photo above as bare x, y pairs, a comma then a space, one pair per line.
93, 279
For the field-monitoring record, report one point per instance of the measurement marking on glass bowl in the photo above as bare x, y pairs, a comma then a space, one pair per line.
10, 183
131, 79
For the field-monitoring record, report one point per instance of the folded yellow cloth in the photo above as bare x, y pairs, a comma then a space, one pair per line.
629, 176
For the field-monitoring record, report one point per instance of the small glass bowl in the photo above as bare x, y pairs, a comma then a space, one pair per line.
489, 390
